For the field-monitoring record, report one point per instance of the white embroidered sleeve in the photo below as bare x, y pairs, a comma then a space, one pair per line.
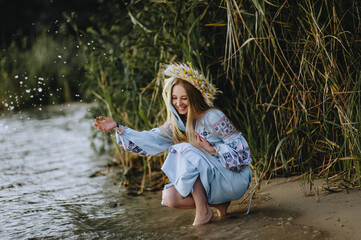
150, 142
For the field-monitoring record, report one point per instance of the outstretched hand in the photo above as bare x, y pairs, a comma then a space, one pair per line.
104, 124
203, 143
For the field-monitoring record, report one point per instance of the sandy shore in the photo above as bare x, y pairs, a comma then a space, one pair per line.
281, 210
335, 213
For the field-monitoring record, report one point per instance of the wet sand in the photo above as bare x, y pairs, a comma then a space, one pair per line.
279, 211
334, 213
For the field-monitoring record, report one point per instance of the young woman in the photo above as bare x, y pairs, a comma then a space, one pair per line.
207, 164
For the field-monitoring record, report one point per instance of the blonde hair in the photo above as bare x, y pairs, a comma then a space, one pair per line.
196, 106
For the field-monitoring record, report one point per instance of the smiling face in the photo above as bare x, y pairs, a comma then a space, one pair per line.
180, 99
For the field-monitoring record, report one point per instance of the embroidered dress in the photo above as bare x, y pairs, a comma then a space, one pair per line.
225, 177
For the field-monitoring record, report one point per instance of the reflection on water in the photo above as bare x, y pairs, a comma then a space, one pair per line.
46, 192
46, 159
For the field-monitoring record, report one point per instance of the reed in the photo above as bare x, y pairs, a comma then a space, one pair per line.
289, 72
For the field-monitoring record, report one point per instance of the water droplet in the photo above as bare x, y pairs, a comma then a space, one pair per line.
59, 56
40, 89
16, 76
27, 90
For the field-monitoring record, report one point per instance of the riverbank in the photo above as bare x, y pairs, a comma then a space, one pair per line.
47, 192
280, 211
334, 213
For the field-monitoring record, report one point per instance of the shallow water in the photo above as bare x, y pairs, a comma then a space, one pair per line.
46, 192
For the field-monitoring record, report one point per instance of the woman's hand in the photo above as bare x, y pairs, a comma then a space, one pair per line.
203, 143
105, 124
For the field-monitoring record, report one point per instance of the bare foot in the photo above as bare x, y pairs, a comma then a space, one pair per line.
222, 208
203, 218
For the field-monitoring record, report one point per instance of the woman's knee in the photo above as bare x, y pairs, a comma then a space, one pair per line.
172, 198
169, 197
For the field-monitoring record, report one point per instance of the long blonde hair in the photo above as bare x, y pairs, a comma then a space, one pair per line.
196, 106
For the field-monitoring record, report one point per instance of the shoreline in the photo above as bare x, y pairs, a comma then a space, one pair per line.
334, 212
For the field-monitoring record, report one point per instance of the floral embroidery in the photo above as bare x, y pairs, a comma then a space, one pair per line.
135, 149
241, 157
204, 134
224, 127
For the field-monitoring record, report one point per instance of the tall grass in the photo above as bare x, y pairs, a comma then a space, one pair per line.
307, 54
289, 72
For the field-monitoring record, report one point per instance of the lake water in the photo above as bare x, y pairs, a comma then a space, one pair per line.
46, 191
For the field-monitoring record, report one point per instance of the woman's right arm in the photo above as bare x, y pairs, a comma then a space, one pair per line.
150, 142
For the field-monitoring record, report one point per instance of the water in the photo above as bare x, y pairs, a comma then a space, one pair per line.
46, 160
46, 192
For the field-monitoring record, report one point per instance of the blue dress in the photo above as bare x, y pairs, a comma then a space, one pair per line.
222, 178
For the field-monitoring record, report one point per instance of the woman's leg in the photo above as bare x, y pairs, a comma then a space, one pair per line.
197, 199
204, 213
221, 208
173, 199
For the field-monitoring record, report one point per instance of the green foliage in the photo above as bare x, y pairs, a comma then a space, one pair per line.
289, 72
48, 72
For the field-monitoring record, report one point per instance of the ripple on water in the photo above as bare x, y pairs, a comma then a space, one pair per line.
44, 171
46, 192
